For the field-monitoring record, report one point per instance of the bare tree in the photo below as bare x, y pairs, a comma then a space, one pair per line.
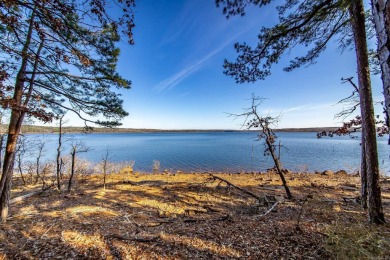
104, 164
59, 161
40, 146
30, 170
21, 150
252, 120
76, 147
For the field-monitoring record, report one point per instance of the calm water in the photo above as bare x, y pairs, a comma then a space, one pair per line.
221, 151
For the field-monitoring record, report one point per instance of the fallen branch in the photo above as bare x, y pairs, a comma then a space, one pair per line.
269, 210
47, 230
23, 197
261, 200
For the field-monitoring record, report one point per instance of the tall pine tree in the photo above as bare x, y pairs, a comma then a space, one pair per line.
59, 55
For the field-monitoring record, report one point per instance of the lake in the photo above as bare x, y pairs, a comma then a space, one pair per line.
219, 151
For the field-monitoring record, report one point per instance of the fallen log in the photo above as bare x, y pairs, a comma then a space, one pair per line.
23, 197
262, 200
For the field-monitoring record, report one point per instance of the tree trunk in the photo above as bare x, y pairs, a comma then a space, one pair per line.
363, 174
20, 169
104, 174
9, 157
58, 172
381, 15
1, 147
375, 210
37, 171
271, 149
72, 169
61, 165
14, 127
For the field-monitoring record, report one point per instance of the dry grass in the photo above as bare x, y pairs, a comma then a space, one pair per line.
185, 216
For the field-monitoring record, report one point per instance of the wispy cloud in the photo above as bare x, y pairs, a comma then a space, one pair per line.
178, 77
293, 109
307, 107
175, 79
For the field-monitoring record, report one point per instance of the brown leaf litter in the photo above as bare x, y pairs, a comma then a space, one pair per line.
190, 216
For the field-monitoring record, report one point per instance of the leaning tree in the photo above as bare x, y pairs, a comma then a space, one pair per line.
312, 24
59, 55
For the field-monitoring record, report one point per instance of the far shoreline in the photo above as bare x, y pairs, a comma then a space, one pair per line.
33, 129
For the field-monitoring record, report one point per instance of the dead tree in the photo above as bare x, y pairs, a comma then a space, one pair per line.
252, 120
76, 147
21, 150
59, 162
104, 163
40, 146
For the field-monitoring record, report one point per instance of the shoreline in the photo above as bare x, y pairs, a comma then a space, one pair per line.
28, 129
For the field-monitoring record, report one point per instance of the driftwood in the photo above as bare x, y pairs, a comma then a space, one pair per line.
262, 200
23, 197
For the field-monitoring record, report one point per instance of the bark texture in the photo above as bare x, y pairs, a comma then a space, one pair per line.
381, 15
58, 159
73, 153
375, 210
363, 173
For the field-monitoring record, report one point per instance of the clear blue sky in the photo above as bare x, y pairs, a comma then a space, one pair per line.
178, 80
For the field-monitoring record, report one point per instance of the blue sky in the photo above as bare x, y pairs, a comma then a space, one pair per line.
178, 80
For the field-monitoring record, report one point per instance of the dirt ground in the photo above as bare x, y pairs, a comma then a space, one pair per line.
192, 216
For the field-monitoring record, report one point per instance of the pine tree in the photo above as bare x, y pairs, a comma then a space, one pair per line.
59, 55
